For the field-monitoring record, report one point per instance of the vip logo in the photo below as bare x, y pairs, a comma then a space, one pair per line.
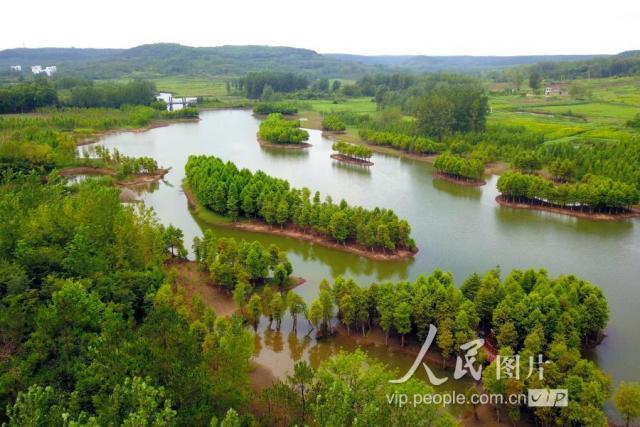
538, 397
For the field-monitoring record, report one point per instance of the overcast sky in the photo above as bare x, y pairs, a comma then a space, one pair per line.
436, 27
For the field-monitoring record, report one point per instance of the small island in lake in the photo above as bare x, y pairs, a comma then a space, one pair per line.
459, 170
351, 153
260, 203
278, 132
593, 197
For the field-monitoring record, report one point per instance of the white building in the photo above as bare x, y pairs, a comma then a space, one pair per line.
16, 68
37, 69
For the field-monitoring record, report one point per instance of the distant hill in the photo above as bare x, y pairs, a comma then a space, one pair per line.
167, 59
464, 63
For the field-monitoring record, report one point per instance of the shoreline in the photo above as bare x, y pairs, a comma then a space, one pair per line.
266, 144
96, 136
259, 227
350, 160
133, 180
634, 213
459, 180
195, 281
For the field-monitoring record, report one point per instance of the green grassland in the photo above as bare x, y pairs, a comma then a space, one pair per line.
362, 105
192, 86
602, 114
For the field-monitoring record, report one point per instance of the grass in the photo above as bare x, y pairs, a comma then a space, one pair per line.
192, 86
356, 105
601, 115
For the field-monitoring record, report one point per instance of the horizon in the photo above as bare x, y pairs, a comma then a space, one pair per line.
324, 53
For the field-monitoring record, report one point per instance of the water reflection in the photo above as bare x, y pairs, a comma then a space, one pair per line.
350, 168
285, 153
456, 190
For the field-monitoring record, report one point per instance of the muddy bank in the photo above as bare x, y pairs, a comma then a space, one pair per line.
459, 180
351, 160
633, 213
195, 280
290, 231
266, 144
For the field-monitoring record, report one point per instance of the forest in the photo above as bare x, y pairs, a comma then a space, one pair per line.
238, 193
278, 130
526, 313
27, 97
82, 281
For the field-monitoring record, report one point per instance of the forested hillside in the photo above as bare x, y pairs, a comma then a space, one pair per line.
169, 59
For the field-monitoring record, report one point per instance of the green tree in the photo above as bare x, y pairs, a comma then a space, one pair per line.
254, 310
627, 400
301, 381
402, 320
534, 80
278, 308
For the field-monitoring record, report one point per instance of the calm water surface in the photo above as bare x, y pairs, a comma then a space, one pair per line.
459, 229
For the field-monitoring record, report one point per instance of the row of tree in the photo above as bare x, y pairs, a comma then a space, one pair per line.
112, 94
253, 84
26, 97
282, 107
235, 193
592, 193
527, 313
524, 148
410, 143
277, 130
459, 167
352, 150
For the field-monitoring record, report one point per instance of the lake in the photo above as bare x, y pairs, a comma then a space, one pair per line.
458, 229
